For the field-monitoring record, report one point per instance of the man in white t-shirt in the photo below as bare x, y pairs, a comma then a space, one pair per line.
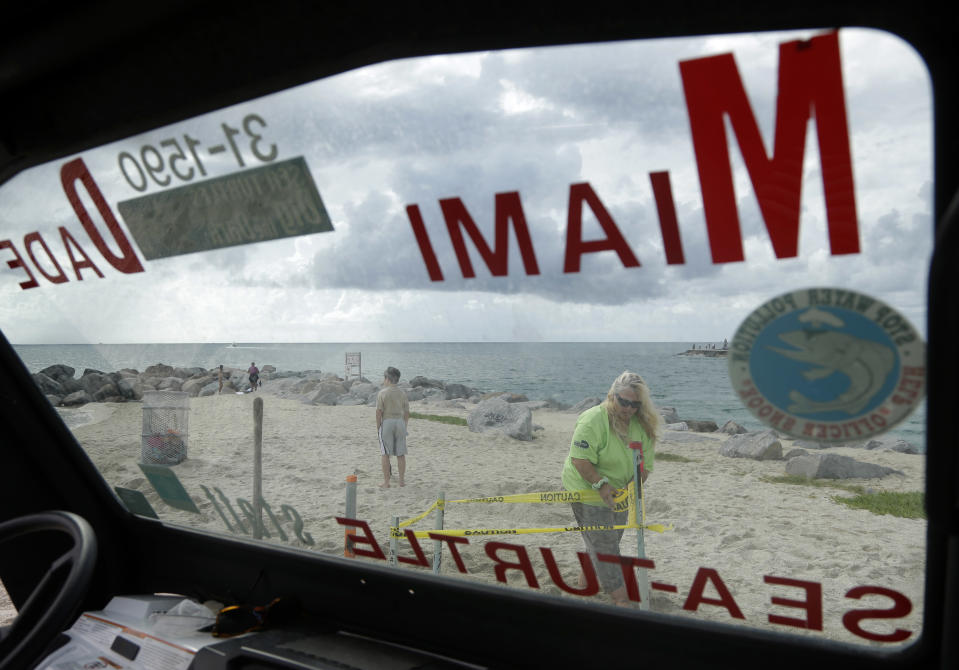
392, 417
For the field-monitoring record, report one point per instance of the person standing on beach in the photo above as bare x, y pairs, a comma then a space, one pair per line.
600, 459
254, 373
392, 418
219, 378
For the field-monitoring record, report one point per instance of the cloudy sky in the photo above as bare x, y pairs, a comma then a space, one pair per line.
534, 121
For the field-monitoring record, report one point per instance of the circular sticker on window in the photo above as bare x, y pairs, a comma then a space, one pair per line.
828, 364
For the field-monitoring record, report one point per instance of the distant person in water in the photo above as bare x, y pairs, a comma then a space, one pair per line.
392, 419
219, 377
254, 373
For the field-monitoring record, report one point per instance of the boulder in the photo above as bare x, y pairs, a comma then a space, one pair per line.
682, 425
187, 373
107, 393
210, 389
458, 391
732, 428
332, 386
159, 370
54, 400
423, 381
793, 453
47, 384
584, 405
835, 466
77, 398
268, 369
194, 386
414, 394
512, 419
130, 388
92, 381
58, 372
363, 392
764, 446
128, 372
350, 399
323, 398
305, 386
92, 371
904, 447
170, 384
701, 426
669, 414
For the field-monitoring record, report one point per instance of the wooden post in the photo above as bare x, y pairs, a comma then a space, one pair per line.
437, 544
258, 468
640, 512
350, 514
394, 544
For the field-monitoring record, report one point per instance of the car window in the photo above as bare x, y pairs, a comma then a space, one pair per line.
445, 313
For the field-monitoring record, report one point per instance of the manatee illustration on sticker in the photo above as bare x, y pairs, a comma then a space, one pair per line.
828, 364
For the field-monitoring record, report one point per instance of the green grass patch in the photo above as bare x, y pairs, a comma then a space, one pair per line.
908, 505
674, 458
799, 480
439, 418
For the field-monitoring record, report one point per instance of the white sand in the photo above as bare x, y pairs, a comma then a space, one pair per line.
726, 517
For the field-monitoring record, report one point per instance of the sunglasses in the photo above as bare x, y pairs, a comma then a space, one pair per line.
240, 619
635, 404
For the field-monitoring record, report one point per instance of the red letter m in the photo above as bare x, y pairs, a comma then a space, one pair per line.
810, 84
508, 208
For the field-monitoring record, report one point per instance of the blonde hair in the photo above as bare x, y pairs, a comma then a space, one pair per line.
647, 414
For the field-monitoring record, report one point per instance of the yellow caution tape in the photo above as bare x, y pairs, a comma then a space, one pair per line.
470, 532
622, 500
425, 514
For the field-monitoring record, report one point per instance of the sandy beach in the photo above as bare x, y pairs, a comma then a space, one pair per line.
731, 528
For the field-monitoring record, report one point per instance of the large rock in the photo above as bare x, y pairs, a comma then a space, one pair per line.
194, 386
701, 426
323, 398
363, 392
512, 419
58, 372
423, 381
414, 394
92, 381
732, 428
187, 373
764, 446
159, 370
669, 414
77, 398
47, 384
835, 466
458, 391
170, 384
584, 405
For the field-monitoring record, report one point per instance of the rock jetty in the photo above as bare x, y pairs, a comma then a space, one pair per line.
504, 411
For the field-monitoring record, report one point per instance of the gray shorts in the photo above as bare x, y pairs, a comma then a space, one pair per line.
602, 541
393, 437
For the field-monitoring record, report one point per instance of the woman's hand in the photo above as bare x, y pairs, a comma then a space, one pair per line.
606, 492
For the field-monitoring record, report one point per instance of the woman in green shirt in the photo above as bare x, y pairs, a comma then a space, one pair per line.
600, 459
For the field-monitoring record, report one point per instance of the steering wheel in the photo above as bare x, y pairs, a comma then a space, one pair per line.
54, 601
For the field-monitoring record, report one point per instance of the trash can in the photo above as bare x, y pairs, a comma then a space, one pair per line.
166, 417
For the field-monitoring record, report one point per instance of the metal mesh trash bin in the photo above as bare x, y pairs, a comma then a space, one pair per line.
166, 417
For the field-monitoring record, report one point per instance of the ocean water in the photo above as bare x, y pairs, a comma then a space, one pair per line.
697, 387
